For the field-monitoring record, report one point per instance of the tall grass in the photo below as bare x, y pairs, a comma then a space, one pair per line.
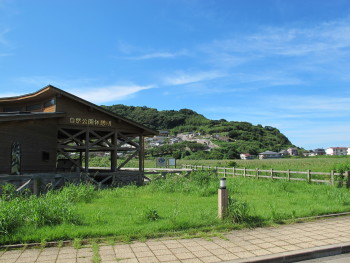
53, 208
169, 206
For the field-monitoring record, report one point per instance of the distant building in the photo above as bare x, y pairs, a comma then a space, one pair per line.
164, 133
319, 151
284, 152
337, 150
246, 156
292, 151
269, 155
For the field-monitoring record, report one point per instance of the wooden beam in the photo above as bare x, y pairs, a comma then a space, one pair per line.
87, 149
70, 158
71, 137
102, 138
114, 152
127, 160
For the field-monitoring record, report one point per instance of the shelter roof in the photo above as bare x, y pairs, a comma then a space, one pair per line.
24, 115
53, 91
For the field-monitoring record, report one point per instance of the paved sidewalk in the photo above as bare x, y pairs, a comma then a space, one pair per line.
238, 246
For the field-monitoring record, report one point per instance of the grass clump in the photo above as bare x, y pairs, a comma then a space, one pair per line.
53, 208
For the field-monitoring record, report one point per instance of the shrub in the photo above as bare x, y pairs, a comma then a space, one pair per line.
151, 214
238, 210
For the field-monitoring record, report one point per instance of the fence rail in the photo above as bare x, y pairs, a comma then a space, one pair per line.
318, 177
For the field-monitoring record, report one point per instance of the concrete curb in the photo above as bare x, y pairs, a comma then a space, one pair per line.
298, 255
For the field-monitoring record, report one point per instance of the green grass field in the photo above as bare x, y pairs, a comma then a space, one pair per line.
175, 206
325, 164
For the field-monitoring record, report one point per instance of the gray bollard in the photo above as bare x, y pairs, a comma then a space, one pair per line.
222, 199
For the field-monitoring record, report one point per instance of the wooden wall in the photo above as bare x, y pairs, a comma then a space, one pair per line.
35, 137
82, 115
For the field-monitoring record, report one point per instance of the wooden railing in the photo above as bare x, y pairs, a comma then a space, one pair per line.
318, 177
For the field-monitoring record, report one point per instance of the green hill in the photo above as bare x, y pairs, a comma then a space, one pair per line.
232, 137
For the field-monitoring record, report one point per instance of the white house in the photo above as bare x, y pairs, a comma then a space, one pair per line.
246, 156
337, 151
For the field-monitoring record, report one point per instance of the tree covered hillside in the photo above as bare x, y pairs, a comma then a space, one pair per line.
232, 136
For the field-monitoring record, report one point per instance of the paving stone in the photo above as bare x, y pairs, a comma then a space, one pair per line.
66, 255
152, 259
276, 250
227, 256
65, 260
162, 252
179, 250
191, 260
143, 254
220, 251
129, 260
244, 254
261, 252
26, 260
46, 258
202, 253
166, 258
182, 256
236, 249
196, 248
210, 259
159, 246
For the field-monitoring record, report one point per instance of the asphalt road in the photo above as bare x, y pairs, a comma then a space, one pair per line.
343, 258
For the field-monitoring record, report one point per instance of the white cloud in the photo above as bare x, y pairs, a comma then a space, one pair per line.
181, 78
86, 88
107, 94
314, 104
3, 40
156, 55
288, 41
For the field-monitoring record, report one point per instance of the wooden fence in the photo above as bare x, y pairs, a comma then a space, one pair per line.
309, 176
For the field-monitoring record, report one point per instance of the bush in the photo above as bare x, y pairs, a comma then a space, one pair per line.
237, 211
151, 214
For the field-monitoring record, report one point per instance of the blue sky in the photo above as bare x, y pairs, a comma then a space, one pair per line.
281, 63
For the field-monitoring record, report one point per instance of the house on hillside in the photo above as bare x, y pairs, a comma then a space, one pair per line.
292, 151
269, 155
337, 150
164, 133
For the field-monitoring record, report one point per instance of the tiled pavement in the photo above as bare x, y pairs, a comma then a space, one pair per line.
238, 244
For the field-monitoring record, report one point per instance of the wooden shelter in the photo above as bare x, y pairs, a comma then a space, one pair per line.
53, 131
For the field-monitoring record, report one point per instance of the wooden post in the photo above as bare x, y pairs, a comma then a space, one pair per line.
332, 177
141, 160
347, 174
114, 152
36, 185
244, 172
224, 171
271, 173
308, 176
288, 174
234, 171
87, 150
257, 173
222, 199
